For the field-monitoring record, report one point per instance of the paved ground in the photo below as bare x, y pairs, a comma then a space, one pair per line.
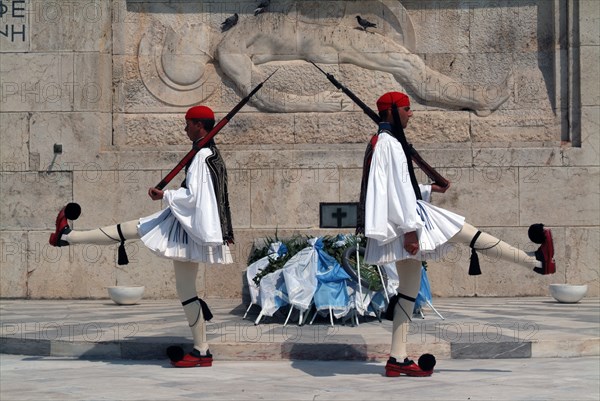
473, 328
53, 378
487, 349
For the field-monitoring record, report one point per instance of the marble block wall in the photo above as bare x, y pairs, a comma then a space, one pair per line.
506, 102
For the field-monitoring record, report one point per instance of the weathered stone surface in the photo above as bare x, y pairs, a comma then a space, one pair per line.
511, 128
123, 196
508, 27
448, 276
255, 128
37, 82
589, 21
81, 135
14, 153
559, 196
300, 190
474, 190
434, 127
350, 184
527, 157
78, 25
337, 128
590, 93
13, 269
144, 132
239, 185
435, 25
92, 82
589, 152
581, 253
31, 200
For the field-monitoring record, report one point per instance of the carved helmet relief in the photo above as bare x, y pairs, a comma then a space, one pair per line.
175, 63
182, 57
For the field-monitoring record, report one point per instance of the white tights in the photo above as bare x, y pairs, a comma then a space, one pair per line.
185, 282
105, 235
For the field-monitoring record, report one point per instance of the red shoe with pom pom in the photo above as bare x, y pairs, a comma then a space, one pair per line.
194, 359
71, 212
393, 368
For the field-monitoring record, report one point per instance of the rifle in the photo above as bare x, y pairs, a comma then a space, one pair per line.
197, 146
415, 156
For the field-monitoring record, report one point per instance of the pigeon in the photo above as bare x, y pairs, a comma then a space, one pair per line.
262, 7
229, 22
364, 23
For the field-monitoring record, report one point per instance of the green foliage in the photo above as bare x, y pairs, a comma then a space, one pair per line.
369, 274
293, 245
333, 245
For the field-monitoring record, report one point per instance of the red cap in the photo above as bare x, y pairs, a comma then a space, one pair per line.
200, 112
387, 99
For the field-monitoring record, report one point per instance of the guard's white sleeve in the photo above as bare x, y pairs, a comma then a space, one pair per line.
195, 207
391, 204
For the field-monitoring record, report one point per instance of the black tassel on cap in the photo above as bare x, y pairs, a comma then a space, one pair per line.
123, 259
474, 269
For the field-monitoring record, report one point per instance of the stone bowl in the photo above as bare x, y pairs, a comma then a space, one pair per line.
568, 293
125, 295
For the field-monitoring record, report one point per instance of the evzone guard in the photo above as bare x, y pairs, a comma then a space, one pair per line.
401, 226
194, 227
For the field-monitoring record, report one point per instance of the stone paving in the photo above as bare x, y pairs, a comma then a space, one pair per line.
472, 328
64, 379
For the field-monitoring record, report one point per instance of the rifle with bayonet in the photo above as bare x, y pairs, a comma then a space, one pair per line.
190, 155
423, 165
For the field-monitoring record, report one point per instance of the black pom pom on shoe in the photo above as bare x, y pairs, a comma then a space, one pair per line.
536, 233
426, 362
175, 353
72, 211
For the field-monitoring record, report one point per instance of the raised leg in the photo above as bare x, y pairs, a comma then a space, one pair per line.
541, 261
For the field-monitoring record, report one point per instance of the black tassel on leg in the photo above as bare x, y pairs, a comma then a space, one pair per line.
389, 312
474, 269
123, 259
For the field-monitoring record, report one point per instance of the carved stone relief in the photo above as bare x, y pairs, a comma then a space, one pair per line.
180, 64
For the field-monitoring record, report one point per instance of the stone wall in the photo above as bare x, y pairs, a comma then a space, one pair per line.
506, 105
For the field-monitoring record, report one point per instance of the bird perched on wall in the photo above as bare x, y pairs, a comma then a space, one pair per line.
364, 23
261, 8
229, 22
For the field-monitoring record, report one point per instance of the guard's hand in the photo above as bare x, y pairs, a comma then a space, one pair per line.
411, 242
439, 189
155, 193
